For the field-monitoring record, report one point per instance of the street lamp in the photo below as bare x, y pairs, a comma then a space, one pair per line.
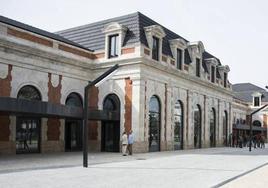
105, 76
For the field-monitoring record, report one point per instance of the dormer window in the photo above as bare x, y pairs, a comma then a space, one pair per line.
114, 37
212, 74
197, 67
256, 101
179, 59
154, 35
155, 50
113, 46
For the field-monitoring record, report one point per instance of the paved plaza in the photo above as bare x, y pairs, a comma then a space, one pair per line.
214, 167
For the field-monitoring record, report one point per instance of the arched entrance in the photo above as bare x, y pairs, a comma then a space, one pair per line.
27, 127
212, 136
178, 125
73, 127
225, 128
197, 126
154, 124
110, 130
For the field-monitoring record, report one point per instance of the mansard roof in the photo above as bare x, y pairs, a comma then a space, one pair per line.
92, 37
41, 32
244, 91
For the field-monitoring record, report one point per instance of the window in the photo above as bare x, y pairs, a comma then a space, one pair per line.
225, 128
212, 74
30, 93
256, 101
197, 126
113, 46
155, 51
179, 59
225, 80
212, 136
198, 67
154, 124
178, 126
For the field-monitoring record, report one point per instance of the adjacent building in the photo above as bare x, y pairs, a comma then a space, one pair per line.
248, 98
170, 91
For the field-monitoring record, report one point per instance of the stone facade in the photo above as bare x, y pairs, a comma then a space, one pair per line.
57, 69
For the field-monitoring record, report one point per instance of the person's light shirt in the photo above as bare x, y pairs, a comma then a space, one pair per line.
130, 138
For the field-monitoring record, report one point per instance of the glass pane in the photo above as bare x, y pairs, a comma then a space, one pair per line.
154, 124
27, 136
178, 126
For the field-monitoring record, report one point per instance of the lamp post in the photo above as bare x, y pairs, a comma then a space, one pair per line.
250, 123
106, 75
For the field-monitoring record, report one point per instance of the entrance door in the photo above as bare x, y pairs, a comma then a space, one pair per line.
28, 135
110, 136
73, 135
110, 130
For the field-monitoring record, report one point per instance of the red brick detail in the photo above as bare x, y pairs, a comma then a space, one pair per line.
76, 51
128, 50
29, 37
164, 59
54, 96
5, 84
98, 55
53, 129
93, 104
54, 93
186, 67
172, 62
265, 121
146, 51
128, 104
4, 125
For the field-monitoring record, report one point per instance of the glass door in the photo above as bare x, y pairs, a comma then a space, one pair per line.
28, 135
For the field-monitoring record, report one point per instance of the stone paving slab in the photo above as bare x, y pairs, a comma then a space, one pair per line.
189, 168
257, 178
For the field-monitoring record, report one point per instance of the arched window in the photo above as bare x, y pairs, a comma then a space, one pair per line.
256, 123
212, 136
225, 128
154, 124
197, 126
74, 99
111, 103
178, 125
30, 93
28, 128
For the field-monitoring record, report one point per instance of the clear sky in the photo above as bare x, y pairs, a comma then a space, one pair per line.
235, 31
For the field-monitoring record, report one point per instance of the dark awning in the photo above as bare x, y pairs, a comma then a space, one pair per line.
13, 106
247, 127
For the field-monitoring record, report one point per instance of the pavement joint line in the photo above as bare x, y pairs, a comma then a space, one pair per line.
238, 176
166, 168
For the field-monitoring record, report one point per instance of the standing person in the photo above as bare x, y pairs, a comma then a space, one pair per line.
130, 142
124, 143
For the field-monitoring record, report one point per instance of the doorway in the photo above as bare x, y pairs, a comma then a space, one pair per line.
110, 130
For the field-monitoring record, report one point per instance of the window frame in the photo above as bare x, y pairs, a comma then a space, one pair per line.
155, 49
179, 58
116, 46
198, 66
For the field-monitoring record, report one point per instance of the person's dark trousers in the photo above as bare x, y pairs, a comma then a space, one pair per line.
130, 149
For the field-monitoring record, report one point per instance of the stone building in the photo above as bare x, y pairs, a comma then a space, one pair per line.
171, 92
